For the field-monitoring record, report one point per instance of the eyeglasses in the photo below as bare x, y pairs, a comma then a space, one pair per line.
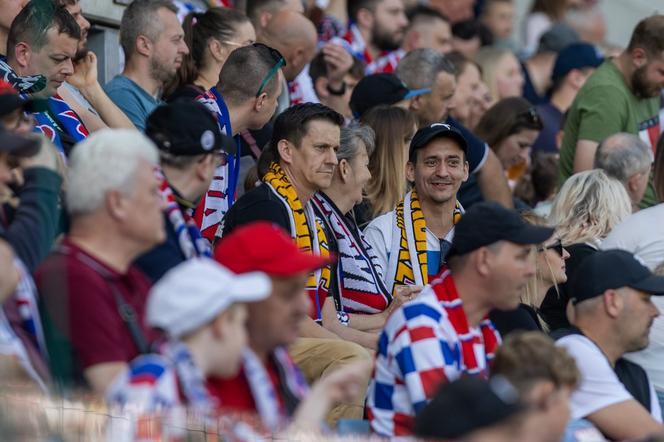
557, 247
279, 60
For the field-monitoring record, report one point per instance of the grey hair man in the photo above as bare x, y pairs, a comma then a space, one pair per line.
115, 209
153, 43
628, 159
429, 69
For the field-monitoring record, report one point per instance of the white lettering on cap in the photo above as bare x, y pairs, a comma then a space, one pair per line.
207, 140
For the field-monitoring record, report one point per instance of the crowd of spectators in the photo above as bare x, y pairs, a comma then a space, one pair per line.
305, 219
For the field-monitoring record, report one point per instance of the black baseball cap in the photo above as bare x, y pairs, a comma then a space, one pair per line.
18, 145
612, 269
376, 89
576, 56
10, 101
486, 223
437, 130
466, 405
185, 128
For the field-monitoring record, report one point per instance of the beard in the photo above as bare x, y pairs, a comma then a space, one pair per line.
641, 87
385, 40
162, 72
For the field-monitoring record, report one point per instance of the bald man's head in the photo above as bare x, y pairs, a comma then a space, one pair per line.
260, 12
292, 34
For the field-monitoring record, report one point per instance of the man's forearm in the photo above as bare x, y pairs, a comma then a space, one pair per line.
493, 183
107, 110
309, 329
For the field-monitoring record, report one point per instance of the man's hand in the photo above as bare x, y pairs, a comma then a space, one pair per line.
85, 73
338, 62
47, 157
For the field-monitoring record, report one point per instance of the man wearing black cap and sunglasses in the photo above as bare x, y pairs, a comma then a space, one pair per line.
190, 149
444, 333
412, 240
613, 313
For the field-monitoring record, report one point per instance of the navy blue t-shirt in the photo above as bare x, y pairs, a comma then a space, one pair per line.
529, 91
551, 120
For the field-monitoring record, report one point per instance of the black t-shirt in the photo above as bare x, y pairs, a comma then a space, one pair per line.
553, 309
259, 204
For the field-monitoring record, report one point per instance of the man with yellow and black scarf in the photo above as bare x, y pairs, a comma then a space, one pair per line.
299, 161
412, 240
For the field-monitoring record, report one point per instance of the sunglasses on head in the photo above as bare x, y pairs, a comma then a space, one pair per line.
531, 116
279, 61
557, 247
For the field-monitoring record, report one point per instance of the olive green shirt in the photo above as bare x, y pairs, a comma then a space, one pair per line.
604, 106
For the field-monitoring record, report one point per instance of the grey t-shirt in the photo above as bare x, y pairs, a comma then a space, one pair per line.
132, 99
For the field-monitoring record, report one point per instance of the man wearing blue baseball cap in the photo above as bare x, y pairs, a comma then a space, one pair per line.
572, 67
613, 313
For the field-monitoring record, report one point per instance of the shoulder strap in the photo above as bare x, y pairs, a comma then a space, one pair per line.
126, 311
635, 380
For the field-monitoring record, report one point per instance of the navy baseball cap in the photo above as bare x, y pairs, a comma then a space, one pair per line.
576, 56
376, 89
467, 405
186, 128
437, 130
612, 269
487, 222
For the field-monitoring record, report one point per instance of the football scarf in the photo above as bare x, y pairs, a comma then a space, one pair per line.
60, 118
221, 193
293, 386
191, 243
489, 338
310, 238
407, 264
360, 287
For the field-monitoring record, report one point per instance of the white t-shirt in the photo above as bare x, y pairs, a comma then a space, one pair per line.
600, 386
643, 235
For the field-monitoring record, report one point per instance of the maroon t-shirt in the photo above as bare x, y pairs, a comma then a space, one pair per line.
78, 299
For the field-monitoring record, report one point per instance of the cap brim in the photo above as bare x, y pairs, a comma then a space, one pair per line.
18, 145
300, 263
530, 234
415, 93
653, 285
250, 287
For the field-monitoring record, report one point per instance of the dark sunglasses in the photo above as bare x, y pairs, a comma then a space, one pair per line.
279, 61
557, 247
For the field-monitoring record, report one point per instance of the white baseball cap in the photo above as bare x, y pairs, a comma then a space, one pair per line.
196, 291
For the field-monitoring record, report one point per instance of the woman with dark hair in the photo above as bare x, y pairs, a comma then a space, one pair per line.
510, 127
210, 36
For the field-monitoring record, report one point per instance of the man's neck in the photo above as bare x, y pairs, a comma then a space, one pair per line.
624, 64
117, 253
183, 183
563, 98
142, 78
263, 354
304, 194
471, 295
238, 116
604, 339
439, 216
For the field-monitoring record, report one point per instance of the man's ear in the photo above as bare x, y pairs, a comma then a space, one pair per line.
410, 172
365, 18
540, 395
116, 205
320, 87
344, 170
22, 54
285, 149
639, 57
144, 45
613, 302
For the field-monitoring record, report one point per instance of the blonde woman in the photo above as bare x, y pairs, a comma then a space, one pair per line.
588, 206
550, 272
501, 72
394, 128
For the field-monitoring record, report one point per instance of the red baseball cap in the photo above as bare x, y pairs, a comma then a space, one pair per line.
265, 247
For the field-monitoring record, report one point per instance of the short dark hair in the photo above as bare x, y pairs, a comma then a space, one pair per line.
243, 72
35, 20
649, 36
255, 7
293, 123
423, 13
354, 6
140, 18
318, 68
